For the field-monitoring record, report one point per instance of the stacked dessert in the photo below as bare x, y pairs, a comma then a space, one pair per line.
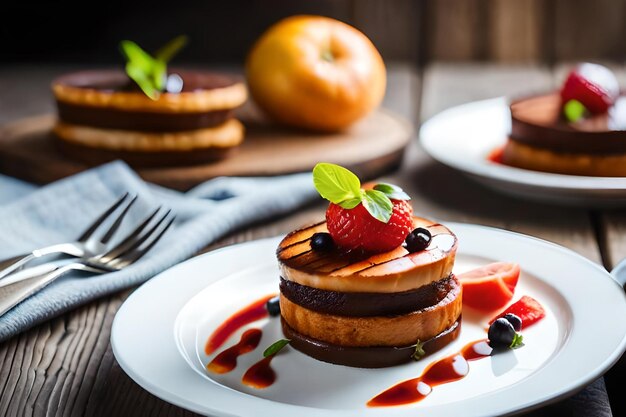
147, 115
373, 285
580, 130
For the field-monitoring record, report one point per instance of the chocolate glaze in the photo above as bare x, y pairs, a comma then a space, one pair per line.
368, 357
117, 80
361, 304
307, 260
96, 156
537, 121
144, 121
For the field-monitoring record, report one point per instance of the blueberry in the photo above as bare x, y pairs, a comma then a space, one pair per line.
514, 320
322, 242
273, 306
501, 333
418, 240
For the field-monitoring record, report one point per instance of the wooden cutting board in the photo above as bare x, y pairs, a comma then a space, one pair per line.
371, 147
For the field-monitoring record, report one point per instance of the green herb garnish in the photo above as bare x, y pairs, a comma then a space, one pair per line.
150, 73
574, 110
517, 341
340, 186
275, 347
419, 352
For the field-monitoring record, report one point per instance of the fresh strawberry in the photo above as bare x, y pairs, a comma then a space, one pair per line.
489, 287
594, 86
356, 228
374, 220
526, 308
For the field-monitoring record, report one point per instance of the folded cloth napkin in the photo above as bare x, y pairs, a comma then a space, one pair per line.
33, 217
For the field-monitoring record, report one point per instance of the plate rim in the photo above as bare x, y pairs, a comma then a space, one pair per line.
170, 397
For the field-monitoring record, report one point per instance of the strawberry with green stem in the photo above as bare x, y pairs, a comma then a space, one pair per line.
374, 220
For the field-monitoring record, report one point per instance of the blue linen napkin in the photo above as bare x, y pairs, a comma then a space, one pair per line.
33, 217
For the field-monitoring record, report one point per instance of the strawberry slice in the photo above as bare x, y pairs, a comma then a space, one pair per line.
526, 308
491, 286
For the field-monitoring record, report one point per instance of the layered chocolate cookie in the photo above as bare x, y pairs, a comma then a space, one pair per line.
103, 116
580, 130
369, 310
541, 140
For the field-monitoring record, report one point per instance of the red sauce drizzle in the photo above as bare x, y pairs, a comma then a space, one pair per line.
260, 375
496, 155
253, 312
437, 373
226, 361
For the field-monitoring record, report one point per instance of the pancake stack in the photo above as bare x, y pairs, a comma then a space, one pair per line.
102, 117
369, 311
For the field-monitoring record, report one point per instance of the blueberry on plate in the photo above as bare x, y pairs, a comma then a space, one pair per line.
514, 320
501, 333
273, 306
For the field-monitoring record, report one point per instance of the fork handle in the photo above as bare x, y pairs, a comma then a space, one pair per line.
14, 264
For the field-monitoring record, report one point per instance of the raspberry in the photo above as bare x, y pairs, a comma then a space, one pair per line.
356, 229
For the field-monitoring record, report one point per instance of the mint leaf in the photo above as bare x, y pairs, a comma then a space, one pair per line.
138, 75
337, 185
392, 191
139, 58
574, 110
150, 73
517, 341
275, 347
378, 205
419, 352
167, 52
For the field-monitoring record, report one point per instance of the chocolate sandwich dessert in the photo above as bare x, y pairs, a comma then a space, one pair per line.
148, 115
580, 130
372, 286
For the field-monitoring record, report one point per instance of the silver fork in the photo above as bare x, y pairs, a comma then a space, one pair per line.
128, 251
92, 241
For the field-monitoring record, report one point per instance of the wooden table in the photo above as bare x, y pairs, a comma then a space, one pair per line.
65, 367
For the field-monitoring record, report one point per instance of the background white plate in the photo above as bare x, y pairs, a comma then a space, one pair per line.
463, 136
159, 333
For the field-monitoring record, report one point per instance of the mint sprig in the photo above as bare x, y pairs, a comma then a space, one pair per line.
518, 341
574, 110
419, 352
340, 186
148, 72
275, 347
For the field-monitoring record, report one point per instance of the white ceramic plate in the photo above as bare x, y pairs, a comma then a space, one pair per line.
159, 333
463, 136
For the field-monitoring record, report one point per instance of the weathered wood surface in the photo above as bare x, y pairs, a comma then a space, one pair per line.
65, 367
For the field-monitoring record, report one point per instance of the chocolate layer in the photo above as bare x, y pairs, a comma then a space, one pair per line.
117, 80
363, 304
537, 121
368, 357
110, 118
96, 156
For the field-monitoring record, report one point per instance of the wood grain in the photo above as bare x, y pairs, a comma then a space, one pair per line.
589, 30
456, 29
65, 367
373, 145
516, 30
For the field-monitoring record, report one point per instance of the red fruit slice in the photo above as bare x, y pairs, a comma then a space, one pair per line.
593, 85
526, 308
491, 286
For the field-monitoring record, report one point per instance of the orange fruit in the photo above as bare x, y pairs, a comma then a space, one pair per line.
315, 72
491, 286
